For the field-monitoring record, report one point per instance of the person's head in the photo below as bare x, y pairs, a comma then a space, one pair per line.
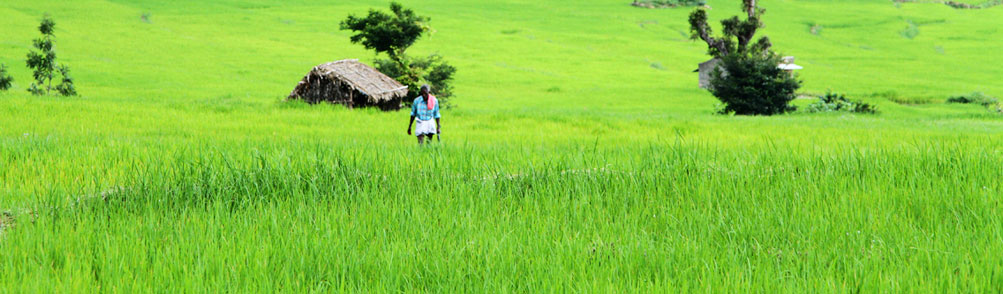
424, 91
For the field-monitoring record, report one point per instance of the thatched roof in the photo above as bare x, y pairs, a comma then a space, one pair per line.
377, 86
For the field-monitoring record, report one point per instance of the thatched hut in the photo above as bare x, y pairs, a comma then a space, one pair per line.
350, 83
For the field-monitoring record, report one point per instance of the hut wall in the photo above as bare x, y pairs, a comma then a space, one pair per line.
705, 69
320, 88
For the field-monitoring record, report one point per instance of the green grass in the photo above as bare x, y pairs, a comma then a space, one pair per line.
571, 162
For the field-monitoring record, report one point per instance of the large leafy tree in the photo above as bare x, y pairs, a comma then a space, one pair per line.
747, 79
392, 34
386, 33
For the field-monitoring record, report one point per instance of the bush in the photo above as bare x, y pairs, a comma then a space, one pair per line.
974, 98
978, 98
5, 80
65, 86
432, 70
751, 84
837, 102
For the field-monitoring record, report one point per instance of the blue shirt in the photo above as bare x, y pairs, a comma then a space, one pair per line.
420, 110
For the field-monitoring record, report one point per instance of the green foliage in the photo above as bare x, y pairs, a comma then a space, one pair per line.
831, 102
392, 35
47, 27
747, 80
751, 84
737, 33
5, 79
42, 61
344, 214
65, 86
623, 183
433, 71
979, 98
974, 98
387, 33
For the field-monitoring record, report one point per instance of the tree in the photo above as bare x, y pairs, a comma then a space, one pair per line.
392, 34
389, 34
747, 80
5, 79
752, 84
737, 33
44, 66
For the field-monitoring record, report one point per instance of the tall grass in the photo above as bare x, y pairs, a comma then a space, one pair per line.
671, 216
571, 162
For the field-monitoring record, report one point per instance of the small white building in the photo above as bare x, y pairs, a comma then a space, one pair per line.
787, 64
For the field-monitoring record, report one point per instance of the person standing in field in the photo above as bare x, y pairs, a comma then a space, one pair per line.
425, 108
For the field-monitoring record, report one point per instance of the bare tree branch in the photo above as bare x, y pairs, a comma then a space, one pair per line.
700, 29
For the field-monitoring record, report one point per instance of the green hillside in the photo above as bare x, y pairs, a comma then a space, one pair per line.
580, 155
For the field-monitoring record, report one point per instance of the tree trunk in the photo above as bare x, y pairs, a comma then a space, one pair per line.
698, 24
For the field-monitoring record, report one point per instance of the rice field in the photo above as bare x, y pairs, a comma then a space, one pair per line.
580, 155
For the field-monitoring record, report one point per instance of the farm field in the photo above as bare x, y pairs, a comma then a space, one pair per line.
579, 154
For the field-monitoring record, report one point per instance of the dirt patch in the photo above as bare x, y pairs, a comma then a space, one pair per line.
6, 221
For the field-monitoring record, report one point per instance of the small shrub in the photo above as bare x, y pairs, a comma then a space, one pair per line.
979, 98
831, 102
5, 80
65, 86
974, 98
43, 63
